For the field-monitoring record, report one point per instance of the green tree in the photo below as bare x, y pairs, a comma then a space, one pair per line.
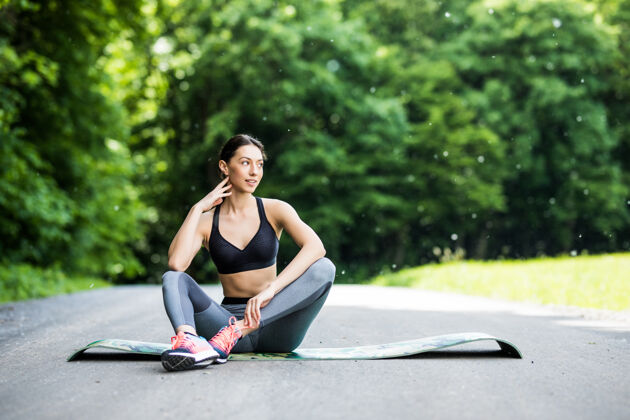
617, 14
454, 175
301, 79
66, 201
538, 73
540, 77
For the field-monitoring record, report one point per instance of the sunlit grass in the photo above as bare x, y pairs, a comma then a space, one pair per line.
601, 281
22, 282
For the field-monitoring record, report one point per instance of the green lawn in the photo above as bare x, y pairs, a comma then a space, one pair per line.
22, 281
601, 281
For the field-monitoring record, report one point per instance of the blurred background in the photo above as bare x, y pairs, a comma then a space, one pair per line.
405, 132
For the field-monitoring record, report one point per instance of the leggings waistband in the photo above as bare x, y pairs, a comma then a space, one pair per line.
234, 300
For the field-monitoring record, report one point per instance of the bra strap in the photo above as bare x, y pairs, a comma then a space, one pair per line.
261, 209
215, 218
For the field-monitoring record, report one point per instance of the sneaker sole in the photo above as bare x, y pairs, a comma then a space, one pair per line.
173, 360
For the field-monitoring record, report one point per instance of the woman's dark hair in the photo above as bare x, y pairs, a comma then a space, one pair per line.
229, 148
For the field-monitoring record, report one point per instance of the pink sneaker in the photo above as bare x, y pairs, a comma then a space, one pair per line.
225, 340
188, 352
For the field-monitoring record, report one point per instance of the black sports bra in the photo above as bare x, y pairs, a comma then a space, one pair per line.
260, 252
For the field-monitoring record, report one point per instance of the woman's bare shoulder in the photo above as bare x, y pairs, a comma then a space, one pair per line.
277, 207
277, 211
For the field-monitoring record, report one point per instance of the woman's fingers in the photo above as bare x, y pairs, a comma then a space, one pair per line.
221, 192
248, 313
253, 313
257, 314
256, 309
215, 197
222, 185
250, 318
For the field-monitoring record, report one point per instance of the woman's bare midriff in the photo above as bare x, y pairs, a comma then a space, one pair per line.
247, 283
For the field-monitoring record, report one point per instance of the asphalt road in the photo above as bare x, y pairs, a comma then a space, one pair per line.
576, 363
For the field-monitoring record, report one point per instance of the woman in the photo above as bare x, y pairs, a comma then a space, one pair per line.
261, 311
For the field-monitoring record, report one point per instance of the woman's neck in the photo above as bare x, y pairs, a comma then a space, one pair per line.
236, 203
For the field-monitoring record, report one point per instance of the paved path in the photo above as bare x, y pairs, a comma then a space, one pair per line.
576, 365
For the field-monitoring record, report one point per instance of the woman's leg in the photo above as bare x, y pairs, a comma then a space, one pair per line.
287, 317
190, 309
184, 300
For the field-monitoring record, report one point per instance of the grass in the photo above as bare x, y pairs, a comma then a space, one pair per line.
22, 281
601, 281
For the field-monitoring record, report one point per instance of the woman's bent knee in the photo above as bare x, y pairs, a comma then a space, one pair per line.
170, 279
324, 270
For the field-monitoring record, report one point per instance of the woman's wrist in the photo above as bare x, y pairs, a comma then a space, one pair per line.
273, 287
198, 207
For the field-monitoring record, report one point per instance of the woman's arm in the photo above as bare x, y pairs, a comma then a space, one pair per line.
190, 235
311, 249
187, 241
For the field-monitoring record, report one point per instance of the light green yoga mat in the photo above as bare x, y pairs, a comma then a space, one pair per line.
378, 351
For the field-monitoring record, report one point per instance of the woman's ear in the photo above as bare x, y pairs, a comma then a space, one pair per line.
223, 168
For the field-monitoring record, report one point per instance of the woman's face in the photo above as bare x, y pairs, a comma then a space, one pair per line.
245, 168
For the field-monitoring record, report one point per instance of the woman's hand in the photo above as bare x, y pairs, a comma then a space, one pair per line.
252, 311
215, 197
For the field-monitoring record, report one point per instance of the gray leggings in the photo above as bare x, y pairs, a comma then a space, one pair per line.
283, 322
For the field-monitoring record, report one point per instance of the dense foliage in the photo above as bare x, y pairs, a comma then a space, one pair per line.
402, 131
67, 203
